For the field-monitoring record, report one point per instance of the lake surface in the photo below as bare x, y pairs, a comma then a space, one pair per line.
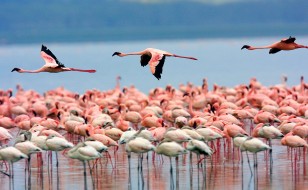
223, 171
221, 61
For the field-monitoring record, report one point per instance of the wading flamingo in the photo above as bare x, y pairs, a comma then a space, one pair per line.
154, 57
52, 64
27, 147
199, 147
83, 153
171, 149
253, 145
284, 44
11, 154
56, 144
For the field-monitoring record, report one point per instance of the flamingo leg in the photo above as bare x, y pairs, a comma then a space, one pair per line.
3, 172
129, 170
85, 175
248, 163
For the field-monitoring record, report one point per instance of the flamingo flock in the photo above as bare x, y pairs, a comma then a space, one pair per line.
167, 121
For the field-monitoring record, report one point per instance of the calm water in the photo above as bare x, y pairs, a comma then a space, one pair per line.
223, 171
220, 61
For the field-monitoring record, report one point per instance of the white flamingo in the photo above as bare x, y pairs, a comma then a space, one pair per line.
253, 145
11, 154
56, 144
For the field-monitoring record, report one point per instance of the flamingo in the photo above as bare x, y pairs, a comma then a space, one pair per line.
26, 146
199, 147
83, 152
4, 134
56, 144
154, 57
177, 135
284, 44
253, 145
127, 135
138, 145
52, 64
192, 133
11, 154
99, 146
170, 149
293, 141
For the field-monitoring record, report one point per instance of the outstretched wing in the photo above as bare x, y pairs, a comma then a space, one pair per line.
274, 50
289, 40
144, 59
156, 64
50, 59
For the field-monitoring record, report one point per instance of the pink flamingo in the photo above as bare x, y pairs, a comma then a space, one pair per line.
294, 141
52, 64
5, 135
154, 57
284, 44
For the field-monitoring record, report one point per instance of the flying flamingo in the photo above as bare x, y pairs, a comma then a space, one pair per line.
154, 57
284, 44
52, 64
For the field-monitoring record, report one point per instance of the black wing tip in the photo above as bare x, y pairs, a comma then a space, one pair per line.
292, 38
43, 48
48, 52
157, 75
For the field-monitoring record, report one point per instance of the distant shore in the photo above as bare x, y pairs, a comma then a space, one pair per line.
157, 33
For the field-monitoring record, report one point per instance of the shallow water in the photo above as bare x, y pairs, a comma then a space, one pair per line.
224, 170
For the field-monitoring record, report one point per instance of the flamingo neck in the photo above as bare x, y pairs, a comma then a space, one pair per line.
30, 71
260, 47
133, 53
